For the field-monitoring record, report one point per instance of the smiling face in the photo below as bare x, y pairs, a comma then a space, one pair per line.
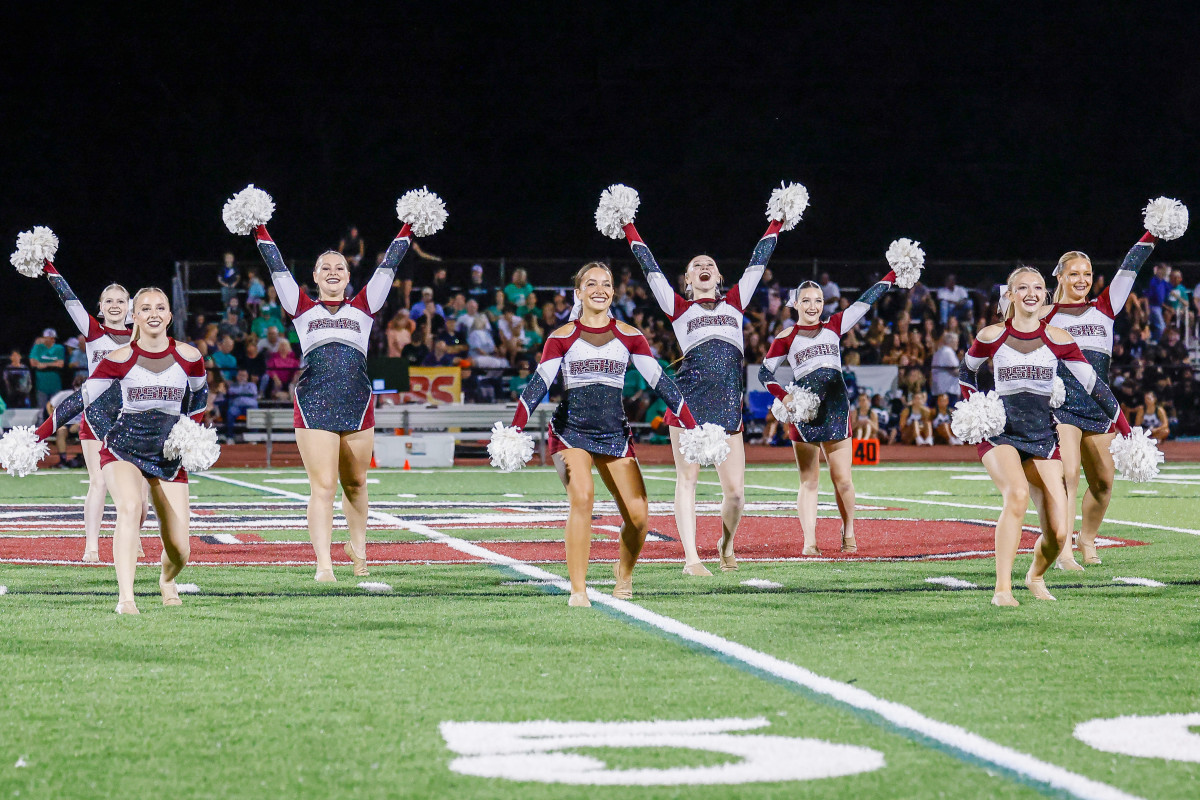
1075, 278
332, 276
809, 304
114, 306
703, 277
152, 313
1026, 292
595, 288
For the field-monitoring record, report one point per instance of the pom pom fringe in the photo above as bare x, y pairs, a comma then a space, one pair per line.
618, 207
1058, 392
34, 249
1136, 456
907, 259
510, 447
707, 445
801, 403
195, 445
422, 210
248, 209
787, 205
979, 417
20, 451
1166, 218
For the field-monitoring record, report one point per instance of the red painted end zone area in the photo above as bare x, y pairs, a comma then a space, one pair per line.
759, 539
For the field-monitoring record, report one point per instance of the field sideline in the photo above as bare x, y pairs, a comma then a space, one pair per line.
456, 668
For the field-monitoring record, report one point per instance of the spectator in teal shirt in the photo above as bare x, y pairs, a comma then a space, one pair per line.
224, 360
516, 291
46, 359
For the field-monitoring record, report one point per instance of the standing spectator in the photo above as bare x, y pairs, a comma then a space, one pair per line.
831, 292
77, 358
46, 359
239, 396
441, 287
18, 381
515, 292
945, 366
1156, 296
1178, 298
477, 290
352, 246
256, 292
229, 278
953, 300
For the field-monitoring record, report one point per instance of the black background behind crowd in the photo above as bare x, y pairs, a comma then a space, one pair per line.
984, 132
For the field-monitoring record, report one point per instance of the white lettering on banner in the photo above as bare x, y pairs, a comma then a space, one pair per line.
534, 751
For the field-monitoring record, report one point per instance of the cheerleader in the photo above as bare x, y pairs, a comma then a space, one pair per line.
1021, 449
1084, 429
708, 325
333, 406
817, 403
589, 426
137, 395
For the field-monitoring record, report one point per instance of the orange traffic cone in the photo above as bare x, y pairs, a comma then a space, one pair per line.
406, 466
373, 464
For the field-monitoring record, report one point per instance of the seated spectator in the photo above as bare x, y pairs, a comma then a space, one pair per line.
77, 359
399, 333
889, 423
482, 346
1152, 417
455, 309
515, 292
283, 368
439, 356
18, 381
195, 329
496, 309
270, 343
562, 309
240, 395
475, 388
941, 421
427, 300
352, 246
232, 325
945, 366
953, 300
415, 351
912, 380
1171, 349
914, 348
832, 293
864, 422
466, 321
253, 361
223, 359
916, 421
518, 382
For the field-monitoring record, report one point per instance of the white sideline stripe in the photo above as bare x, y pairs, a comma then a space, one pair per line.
900, 715
952, 582
1139, 582
226, 538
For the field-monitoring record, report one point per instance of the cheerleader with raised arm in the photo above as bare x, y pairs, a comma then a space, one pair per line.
708, 325
589, 426
100, 338
143, 394
333, 407
816, 403
1084, 429
1014, 426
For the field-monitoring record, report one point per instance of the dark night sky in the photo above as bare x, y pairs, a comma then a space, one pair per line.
983, 133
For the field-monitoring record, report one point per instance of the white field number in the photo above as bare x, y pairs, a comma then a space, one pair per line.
534, 751
1166, 736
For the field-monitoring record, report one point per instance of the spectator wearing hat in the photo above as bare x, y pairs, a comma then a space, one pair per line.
418, 308
47, 358
477, 290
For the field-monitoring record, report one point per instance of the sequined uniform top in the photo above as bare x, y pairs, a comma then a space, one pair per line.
138, 401
1091, 324
1024, 366
333, 392
814, 353
99, 340
709, 333
593, 361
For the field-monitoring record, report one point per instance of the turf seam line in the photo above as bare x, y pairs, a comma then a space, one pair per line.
967, 746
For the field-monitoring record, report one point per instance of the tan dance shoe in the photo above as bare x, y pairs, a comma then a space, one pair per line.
624, 588
579, 600
729, 563
360, 564
1037, 586
1004, 599
325, 576
696, 569
127, 607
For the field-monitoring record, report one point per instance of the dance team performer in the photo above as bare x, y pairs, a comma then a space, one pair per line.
141, 394
1020, 449
589, 426
816, 404
334, 408
708, 326
1085, 431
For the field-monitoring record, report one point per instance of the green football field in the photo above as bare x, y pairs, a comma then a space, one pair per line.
457, 670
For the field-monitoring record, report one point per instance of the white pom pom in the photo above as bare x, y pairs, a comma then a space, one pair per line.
1058, 392
248, 209
802, 403
34, 249
20, 451
618, 207
787, 205
907, 259
707, 445
195, 445
979, 417
423, 210
780, 412
1136, 456
510, 447
1166, 218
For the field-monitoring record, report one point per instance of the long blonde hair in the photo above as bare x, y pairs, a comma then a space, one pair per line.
137, 330
1061, 267
1006, 306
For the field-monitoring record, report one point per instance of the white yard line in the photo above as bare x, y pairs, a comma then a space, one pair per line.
966, 744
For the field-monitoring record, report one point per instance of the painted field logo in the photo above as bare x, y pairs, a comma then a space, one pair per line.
1168, 736
536, 751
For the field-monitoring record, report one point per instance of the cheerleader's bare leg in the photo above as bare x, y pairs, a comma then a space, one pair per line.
124, 482
172, 507
1069, 441
320, 451
93, 505
838, 455
355, 458
732, 474
808, 460
1098, 467
623, 477
1050, 498
1003, 464
685, 506
575, 471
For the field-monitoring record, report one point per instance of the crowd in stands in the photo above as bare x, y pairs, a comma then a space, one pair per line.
495, 331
